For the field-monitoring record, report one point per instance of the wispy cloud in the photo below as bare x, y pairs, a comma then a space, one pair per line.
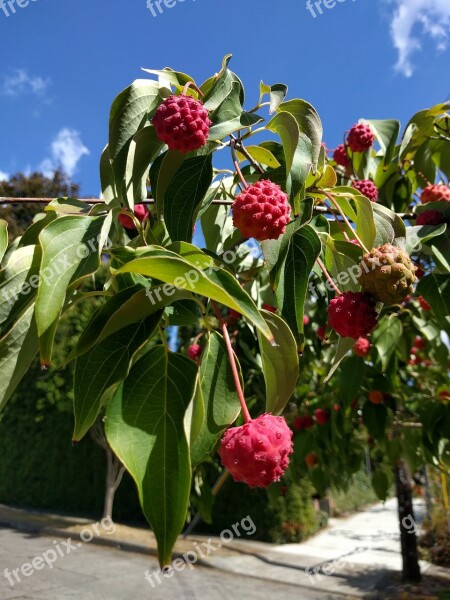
67, 149
4, 176
19, 83
414, 20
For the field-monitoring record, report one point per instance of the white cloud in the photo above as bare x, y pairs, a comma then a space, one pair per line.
18, 83
66, 151
3, 176
413, 20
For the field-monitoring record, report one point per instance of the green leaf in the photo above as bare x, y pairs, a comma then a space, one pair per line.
298, 153
261, 155
341, 267
214, 283
18, 284
436, 291
128, 306
304, 248
3, 238
176, 78
108, 184
418, 235
386, 337
17, 351
308, 121
129, 112
343, 347
221, 87
184, 194
145, 428
279, 364
216, 405
387, 131
380, 483
278, 92
103, 366
162, 171
375, 418
389, 225
351, 378
144, 148
275, 251
70, 252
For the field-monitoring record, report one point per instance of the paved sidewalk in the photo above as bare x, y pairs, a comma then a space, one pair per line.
349, 559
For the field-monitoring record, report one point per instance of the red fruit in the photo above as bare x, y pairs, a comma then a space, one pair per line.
360, 138
261, 211
182, 123
194, 351
414, 351
321, 332
140, 212
367, 189
362, 347
306, 320
311, 459
340, 156
419, 273
419, 343
269, 308
234, 315
257, 453
302, 423
427, 363
444, 395
430, 217
352, 314
336, 407
423, 303
322, 416
435, 193
376, 397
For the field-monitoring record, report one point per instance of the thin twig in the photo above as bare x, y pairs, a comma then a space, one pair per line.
328, 277
346, 221
237, 380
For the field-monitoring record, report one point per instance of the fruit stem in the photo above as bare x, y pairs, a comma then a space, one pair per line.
243, 150
237, 380
328, 276
236, 162
191, 83
346, 221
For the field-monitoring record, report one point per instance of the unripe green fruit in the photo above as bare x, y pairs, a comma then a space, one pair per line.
387, 274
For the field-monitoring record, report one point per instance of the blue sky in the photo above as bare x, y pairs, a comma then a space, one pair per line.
64, 62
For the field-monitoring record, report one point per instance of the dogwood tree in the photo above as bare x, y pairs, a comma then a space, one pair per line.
182, 153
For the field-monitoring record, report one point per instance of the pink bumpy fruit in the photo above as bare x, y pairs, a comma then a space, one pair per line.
182, 123
322, 416
140, 212
367, 189
340, 156
262, 211
435, 193
360, 138
362, 347
257, 453
302, 423
194, 351
352, 314
430, 217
